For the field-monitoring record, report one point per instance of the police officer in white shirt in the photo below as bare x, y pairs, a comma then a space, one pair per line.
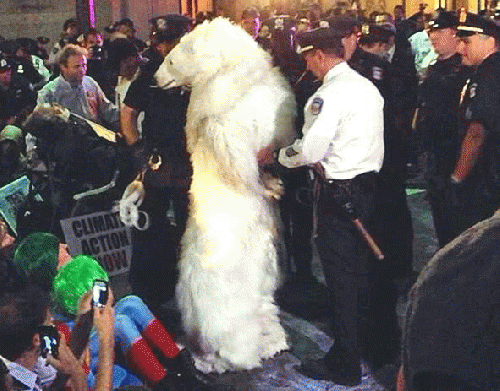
343, 139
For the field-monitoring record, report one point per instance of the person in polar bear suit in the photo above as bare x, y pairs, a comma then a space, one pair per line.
239, 107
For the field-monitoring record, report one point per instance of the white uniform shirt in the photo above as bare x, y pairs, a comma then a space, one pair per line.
343, 128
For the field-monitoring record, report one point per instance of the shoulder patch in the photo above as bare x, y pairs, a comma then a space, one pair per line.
378, 73
316, 105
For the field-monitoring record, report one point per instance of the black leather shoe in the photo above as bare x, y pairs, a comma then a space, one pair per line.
320, 370
182, 369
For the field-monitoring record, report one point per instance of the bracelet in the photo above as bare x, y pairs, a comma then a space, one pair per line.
454, 179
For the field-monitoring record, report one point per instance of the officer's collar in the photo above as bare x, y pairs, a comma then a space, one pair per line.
335, 70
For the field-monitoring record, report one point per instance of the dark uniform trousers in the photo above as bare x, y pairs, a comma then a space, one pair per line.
437, 121
393, 228
346, 262
153, 273
297, 215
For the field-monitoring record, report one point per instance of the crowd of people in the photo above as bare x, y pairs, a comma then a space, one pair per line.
380, 99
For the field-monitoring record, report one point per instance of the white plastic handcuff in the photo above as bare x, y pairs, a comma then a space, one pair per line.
132, 198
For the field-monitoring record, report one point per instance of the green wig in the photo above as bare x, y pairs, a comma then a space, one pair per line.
35, 259
76, 278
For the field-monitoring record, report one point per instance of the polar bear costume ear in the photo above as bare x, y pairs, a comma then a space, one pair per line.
229, 61
207, 52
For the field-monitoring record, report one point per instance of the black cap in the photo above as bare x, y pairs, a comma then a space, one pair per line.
319, 38
9, 47
170, 27
27, 44
43, 40
343, 25
111, 28
373, 33
120, 49
442, 19
281, 23
470, 24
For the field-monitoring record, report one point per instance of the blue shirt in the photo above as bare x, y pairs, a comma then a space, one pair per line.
85, 99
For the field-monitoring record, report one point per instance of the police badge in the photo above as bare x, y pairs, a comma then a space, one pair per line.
377, 73
316, 105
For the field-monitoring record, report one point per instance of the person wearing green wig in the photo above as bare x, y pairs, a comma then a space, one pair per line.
38, 257
137, 332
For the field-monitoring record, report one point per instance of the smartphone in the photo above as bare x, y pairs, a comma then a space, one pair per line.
100, 293
49, 340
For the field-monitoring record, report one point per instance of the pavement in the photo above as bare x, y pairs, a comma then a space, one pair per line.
305, 318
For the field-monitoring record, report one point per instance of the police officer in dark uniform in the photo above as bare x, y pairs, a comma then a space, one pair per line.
437, 119
296, 205
153, 272
475, 181
21, 66
17, 96
392, 226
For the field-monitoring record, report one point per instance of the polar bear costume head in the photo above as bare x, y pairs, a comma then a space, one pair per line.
239, 103
211, 47
221, 60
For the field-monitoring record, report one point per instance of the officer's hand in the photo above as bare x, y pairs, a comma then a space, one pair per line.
265, 156
291, 157
454, 193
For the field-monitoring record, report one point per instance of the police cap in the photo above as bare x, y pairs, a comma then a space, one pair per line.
470, 24
43, 40
442, 19
374, 33
344, 25
319, 38
170, 27
27, 44
126, 22
120, 49
281, 23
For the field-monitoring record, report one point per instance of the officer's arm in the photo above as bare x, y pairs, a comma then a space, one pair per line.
472, 145
128, 118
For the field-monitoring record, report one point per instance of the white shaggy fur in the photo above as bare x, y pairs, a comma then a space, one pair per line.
228, 268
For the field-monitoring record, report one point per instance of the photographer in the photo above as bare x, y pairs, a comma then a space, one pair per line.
93, 42
21, 315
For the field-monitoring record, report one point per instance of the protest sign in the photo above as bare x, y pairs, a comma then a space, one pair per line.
103, 236
12, 197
